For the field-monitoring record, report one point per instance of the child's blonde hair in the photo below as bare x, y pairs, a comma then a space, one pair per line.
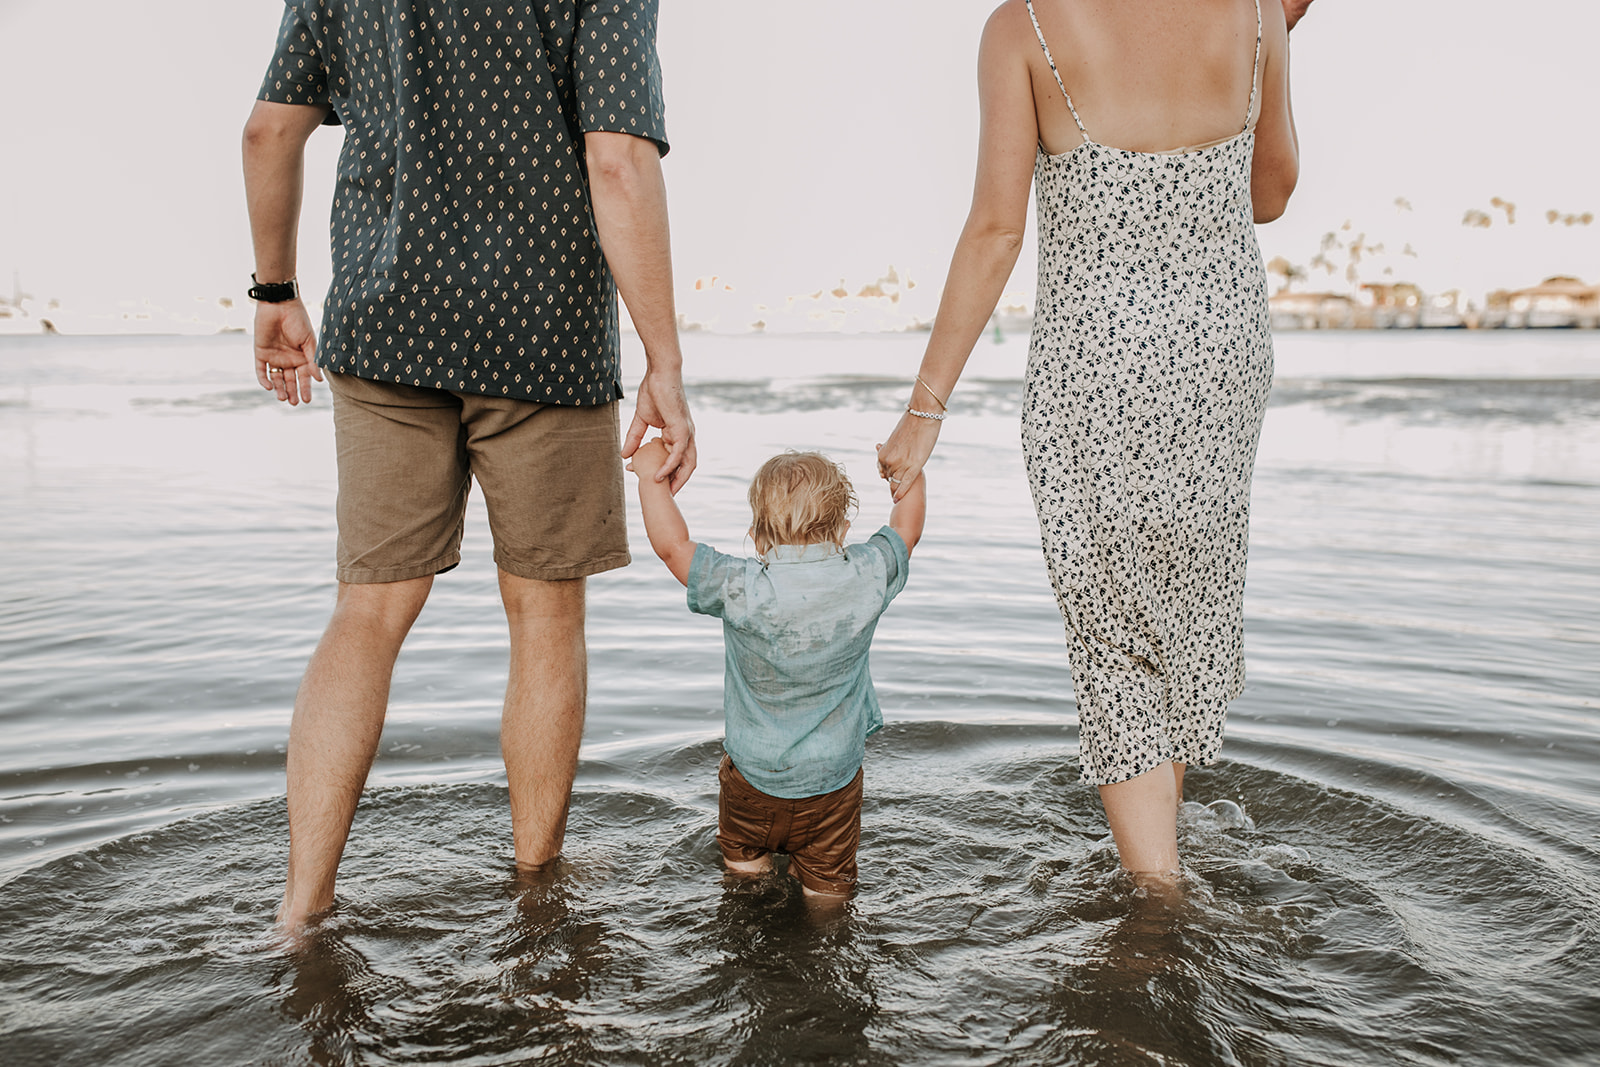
800, 498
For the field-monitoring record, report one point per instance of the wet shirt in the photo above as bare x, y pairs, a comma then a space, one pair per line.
797, 694
464, 247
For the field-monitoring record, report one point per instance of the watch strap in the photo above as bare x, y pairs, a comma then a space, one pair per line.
274, 292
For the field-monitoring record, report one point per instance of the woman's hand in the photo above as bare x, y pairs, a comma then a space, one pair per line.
1294, 11
902, 456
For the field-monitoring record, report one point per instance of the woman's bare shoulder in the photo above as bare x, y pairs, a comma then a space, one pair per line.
1009, 23
1009, 36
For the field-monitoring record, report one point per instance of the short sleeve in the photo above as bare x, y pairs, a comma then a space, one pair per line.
296, 74
618, 71
716, 585
898, 558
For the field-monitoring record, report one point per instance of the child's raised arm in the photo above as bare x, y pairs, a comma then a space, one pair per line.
663, 522
907, 516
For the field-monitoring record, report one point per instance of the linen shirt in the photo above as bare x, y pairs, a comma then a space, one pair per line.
797, 693
464, 246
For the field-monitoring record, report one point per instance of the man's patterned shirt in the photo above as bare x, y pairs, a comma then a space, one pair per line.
464, 246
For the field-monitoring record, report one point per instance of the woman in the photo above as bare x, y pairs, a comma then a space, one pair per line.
1151, 354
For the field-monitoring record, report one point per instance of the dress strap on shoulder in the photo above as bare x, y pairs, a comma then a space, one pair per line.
1048, 58
1255, 73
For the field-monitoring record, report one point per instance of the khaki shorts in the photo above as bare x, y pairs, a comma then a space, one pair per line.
820, 833
551, 476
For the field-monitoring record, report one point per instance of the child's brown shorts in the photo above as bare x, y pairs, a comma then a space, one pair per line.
820, 833
550, 474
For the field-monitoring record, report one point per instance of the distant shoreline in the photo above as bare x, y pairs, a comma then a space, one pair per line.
1007, 329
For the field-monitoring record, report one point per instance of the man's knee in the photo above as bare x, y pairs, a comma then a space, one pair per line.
529, 601
386, 607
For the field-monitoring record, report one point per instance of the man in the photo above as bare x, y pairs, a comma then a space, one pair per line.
491, 150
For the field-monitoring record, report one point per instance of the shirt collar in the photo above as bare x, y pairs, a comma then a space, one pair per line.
802, 553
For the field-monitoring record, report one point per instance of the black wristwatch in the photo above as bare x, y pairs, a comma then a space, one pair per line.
274, 292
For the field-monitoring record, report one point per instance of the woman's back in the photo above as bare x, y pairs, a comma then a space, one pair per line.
1135, 231
1145, 75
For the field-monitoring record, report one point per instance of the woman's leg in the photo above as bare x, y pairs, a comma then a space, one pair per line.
1143, 813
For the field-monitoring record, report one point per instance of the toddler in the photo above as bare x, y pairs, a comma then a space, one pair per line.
797, 624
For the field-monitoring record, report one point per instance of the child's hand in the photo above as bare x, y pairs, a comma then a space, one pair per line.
648, 458
663, 522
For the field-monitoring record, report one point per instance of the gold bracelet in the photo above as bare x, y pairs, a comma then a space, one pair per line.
929, 388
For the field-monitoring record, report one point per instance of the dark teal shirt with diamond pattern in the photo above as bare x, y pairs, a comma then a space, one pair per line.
464, 247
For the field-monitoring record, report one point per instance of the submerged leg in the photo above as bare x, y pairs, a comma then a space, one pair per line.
760, 865
542, 726
823, 906
1143, 813
338, 717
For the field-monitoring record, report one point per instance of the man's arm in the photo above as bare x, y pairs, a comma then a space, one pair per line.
274, 172
663, 522
630, 209
909, 512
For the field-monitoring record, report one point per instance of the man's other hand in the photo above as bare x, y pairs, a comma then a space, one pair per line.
285, 350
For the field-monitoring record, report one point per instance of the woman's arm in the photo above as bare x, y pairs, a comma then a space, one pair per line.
987, 250
1275, 168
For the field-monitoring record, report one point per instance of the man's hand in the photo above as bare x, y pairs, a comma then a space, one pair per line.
660, 403
1294, 11
286, 349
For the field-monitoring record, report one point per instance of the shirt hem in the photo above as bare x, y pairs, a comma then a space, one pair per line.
761, 782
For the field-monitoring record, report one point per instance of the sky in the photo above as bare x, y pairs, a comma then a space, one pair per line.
814, 147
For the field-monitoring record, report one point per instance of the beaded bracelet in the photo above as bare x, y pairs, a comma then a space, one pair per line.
936, 416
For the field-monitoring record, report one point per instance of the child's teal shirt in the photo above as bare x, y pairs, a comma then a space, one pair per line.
796, 693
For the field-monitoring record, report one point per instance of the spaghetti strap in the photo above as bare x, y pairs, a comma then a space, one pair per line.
1255, 71
1048, 58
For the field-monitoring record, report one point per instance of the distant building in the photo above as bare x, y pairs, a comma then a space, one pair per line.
1316, 311
1557, 302
1395, 305
1011, 315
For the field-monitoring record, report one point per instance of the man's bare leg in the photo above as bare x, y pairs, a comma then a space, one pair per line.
1143, 816
543, 721
338, 717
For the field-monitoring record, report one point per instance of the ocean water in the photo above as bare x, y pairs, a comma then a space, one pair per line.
1397, 860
